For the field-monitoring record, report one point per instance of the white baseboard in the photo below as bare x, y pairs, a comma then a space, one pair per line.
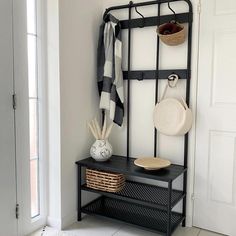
68, 220
189, 220
62, 223
54, 222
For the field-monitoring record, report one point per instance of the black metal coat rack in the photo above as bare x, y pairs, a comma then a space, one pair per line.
125, 165
157, 74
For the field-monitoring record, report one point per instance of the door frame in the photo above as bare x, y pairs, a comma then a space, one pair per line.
193, 105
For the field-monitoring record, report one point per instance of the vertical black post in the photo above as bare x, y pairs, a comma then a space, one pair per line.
185, 179
103, 116
157, 76
79, 193
128, 81
169, 209
186, 139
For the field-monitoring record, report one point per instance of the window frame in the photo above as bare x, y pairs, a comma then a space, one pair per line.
41, 68
26, 225
41, 29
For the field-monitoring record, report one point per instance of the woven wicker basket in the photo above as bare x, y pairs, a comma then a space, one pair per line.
105, 181
173, 39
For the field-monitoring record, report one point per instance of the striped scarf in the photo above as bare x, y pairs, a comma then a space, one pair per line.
109, 72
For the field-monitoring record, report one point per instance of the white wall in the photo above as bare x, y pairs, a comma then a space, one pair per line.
78, 101
143, 56
72, 99
79, 25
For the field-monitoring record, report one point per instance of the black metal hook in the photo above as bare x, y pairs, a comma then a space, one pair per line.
172, 11
143, 23
141, 76
105, 16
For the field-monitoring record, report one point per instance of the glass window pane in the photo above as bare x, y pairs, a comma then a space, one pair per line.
31, 16
34, 188
33, 105
32, 65
33, 119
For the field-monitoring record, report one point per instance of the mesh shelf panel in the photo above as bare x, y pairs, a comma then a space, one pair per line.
149, 193
132, 213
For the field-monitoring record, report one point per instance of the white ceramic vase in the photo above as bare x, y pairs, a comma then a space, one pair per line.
101, 150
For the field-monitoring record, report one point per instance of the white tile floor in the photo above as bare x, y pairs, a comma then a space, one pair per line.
94, 226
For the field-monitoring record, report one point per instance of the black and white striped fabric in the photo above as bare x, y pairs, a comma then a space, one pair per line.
109, 72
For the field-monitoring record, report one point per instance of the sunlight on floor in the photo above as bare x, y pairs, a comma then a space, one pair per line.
105, 227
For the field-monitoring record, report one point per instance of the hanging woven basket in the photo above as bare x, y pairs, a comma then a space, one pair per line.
172, 34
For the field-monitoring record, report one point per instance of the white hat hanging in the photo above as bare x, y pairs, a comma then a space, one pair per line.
172, 116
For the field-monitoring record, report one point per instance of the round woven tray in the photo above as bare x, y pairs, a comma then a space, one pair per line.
152, 163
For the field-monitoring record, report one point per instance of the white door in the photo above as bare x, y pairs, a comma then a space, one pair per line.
8, 222
29, 151
215, 181
19, 160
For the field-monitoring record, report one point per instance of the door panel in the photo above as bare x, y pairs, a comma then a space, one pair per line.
221, 185
224, 87
8, 222
215, 185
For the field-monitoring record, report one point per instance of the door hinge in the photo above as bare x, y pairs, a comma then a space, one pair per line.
199, 7
14, 101
17, 211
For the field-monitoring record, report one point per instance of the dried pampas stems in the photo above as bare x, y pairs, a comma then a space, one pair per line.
97, 131
108, 131
104, 128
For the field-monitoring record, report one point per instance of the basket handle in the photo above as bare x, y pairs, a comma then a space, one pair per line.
184, 103
171, 83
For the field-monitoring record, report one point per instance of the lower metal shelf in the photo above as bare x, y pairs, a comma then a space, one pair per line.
143, 194
136, 214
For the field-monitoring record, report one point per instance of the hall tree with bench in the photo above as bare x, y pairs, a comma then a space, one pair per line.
144, 205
